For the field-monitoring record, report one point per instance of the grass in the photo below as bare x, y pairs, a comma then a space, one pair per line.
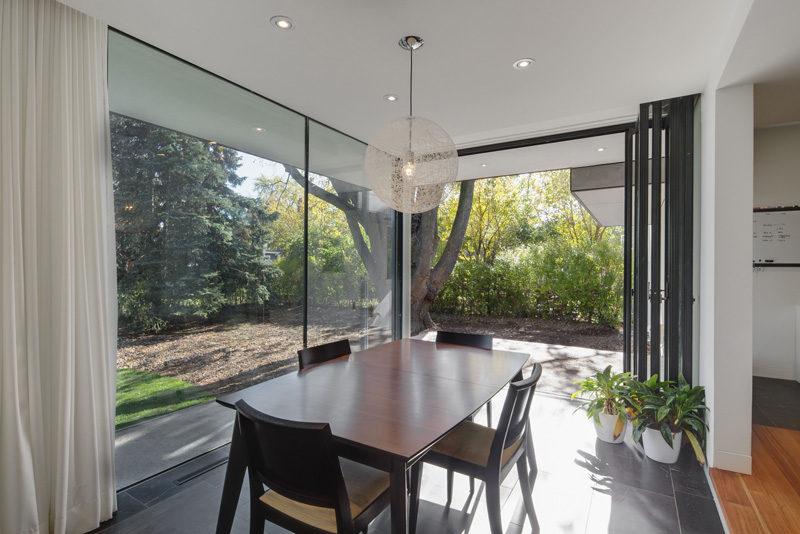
143, 395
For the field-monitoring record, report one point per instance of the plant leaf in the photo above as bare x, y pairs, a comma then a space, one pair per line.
666, 433
698, 450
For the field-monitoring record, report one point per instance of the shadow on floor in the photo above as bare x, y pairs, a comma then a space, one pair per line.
583, 485
776, 403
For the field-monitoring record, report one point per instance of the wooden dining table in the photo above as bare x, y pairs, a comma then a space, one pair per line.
386, 406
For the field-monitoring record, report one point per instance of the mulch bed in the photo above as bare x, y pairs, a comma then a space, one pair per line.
230, 356
570, 333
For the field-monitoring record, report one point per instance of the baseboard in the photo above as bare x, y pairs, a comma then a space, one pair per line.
731, 461
718, 504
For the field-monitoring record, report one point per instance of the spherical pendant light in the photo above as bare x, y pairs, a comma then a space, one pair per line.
410, 159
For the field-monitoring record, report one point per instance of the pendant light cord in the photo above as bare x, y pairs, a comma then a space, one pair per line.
411, 85
410, 97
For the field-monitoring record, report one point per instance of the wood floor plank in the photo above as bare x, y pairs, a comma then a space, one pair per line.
769, 499
785, 445
742, 519
729, 487
776, 499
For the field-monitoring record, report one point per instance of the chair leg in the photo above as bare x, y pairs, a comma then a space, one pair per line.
449, 485
489, 413
256, 519
525, 487
531, 454
493, 506
413, 508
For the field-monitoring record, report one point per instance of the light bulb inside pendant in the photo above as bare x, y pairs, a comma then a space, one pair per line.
409, 169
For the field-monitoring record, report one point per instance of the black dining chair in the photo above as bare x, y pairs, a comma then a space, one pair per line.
478, 341
323, 353
489, 454
309, 489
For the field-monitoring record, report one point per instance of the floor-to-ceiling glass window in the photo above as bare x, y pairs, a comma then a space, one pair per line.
350, 245
210, 202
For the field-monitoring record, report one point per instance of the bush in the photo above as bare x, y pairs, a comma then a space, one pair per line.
555, 280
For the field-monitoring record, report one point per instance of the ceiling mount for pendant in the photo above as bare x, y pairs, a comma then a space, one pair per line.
411, 42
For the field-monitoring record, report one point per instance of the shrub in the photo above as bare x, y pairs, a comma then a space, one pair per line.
556, 279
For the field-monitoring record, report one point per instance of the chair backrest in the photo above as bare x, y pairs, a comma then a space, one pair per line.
514, 419
323, 353
297, 460
479, 341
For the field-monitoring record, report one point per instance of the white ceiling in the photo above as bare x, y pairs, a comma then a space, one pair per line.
595, 61
767, 48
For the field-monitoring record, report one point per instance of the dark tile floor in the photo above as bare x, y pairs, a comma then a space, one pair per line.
583, 485
776, 403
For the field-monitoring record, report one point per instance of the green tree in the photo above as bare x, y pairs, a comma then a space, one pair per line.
531, 249
340, 212
187, 243
554, 205
499, 218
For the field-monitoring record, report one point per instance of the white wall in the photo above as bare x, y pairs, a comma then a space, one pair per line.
776, 290
725, 292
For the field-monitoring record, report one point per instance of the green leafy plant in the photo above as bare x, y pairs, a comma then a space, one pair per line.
604, 392
669, 408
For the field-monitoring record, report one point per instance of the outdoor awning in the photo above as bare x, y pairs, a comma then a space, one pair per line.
601, 190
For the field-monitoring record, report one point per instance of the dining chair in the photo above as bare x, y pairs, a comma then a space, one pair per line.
478, 341
490, 454
309, 489
323, 353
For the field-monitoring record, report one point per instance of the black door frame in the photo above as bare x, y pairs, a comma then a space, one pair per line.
646, 268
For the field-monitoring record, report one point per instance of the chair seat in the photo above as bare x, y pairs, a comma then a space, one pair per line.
471, 443
364, 485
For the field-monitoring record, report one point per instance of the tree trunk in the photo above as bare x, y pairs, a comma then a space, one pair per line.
375, 254
426, 280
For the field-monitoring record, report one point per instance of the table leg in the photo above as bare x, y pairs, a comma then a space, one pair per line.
234, 476
399, 497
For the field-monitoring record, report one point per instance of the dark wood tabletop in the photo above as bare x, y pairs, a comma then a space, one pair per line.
398, 398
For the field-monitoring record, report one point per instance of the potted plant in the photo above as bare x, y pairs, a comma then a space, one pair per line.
663, 413
605, 403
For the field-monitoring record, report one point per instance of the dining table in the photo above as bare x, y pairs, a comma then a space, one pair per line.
386, 406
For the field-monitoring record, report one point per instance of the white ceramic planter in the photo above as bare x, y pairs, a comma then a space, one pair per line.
659, 450
611, 429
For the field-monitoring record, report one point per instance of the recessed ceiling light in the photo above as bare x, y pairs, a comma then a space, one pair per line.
601, 149
281, 22
390, 97
523, 63
483, 165
258, 129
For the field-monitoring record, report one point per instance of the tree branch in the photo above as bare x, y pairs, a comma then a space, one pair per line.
441, 271
321, 193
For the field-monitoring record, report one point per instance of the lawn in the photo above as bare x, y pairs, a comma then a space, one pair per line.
142, 395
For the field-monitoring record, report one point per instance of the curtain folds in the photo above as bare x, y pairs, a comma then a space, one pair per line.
57, 279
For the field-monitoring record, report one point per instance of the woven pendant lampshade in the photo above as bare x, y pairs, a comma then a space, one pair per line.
410, 159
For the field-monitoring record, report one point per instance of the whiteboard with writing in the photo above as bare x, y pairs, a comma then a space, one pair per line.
776, 237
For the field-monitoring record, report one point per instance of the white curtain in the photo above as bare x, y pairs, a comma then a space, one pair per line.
58, 292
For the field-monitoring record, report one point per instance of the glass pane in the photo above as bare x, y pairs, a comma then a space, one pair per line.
209, 206
147, 84
350, 250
